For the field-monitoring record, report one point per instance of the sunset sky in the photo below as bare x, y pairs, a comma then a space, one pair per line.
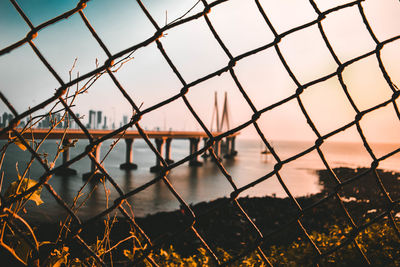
191, 46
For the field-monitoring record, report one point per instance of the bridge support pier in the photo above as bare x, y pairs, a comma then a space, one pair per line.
230, 151
194, 147
168, 151
217, 150
159, 145
66, 171
206, 153
128, 165
233, 152
95, 174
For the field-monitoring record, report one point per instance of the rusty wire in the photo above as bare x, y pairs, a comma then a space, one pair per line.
78, 225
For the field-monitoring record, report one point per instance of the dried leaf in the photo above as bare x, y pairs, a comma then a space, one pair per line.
26, 184
20, 145
59, 258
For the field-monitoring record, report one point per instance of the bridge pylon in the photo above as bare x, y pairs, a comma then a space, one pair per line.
227, 146
222, 121
225, 115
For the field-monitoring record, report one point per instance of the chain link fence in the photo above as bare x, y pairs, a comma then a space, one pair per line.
72, 230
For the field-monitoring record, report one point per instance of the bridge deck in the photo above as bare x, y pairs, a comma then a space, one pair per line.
79, 134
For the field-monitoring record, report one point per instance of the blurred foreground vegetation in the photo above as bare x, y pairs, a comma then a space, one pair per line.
226, 231
379, 242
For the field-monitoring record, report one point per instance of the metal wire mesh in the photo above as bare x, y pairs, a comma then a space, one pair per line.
191, 224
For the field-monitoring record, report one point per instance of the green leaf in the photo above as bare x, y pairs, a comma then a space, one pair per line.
19, 187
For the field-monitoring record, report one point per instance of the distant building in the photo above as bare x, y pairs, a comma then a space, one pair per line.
98, 121
46, 122
125, 120
4, 121
75, 124
68, 121
105, 123
58, 119
92, 119
71, 121
26, 121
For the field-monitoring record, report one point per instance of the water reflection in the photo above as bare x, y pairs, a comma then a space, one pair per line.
128, 177
93, 193
65, 190
193, 180
193, 184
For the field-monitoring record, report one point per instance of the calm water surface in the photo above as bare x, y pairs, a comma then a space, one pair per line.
194, 184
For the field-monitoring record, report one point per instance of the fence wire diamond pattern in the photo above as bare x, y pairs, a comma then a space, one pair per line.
63, 96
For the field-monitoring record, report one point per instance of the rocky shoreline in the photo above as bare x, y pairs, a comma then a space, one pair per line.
223, 226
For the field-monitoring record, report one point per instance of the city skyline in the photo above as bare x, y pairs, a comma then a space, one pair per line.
91, 121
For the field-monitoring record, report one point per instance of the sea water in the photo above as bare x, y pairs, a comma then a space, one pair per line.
192, 184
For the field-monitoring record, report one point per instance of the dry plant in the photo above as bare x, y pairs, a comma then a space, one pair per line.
70, 248
17, 236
